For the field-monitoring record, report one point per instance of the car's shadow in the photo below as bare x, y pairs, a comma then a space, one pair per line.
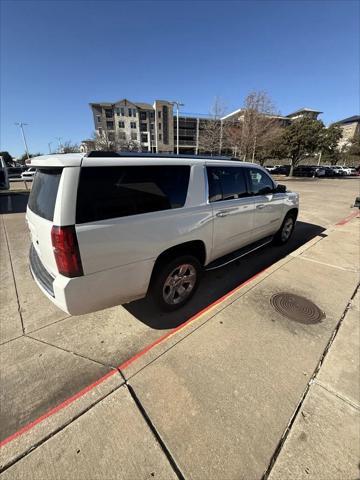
217, 283
13, 202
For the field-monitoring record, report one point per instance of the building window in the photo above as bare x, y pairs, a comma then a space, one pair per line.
153, 137
159, 114
118, 111
130, 112
109, 112
122, 111
165, 115
133, 124
98, 117
143, 127
142, 115
110, 125
160, 136
151, 126
122, 135
159, 126
134, 112
144, 138
152, 115
121, 124
133, 136
111, 137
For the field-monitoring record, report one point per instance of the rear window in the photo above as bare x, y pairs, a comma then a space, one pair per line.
112, 192
44, 191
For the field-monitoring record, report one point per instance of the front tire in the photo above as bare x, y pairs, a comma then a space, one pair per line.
286, 230
175, 282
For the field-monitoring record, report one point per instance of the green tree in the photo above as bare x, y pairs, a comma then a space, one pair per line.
8, 159
304, 137
330, 149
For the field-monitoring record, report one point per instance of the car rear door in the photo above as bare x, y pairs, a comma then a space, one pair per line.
233, 209
269, 204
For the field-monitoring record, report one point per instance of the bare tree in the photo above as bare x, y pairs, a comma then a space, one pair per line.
69, 147
258, 119
211, 134
114, 142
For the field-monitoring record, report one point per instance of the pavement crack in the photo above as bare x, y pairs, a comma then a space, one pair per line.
336, 394
44, 439
156, 434
68, 351
13, 274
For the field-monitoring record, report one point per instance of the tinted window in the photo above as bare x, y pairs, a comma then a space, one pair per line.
226, 183
260, 182
44, 191
111, 192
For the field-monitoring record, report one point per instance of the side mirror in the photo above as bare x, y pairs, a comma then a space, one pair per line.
280, 189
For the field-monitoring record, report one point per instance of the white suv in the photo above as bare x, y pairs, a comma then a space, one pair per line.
108, 228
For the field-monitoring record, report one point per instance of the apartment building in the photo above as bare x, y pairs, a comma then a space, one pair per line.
134, 124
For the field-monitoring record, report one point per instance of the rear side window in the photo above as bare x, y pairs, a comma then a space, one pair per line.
226, 183
44, 191
112, 192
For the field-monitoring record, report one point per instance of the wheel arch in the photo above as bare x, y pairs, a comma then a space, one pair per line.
196, 248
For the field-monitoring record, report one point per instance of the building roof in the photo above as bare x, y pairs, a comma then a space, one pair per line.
143, 106
353, 119
301, 110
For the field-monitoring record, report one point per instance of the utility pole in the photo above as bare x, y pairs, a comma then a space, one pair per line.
49, 145
21, 125
320, 154
178, 104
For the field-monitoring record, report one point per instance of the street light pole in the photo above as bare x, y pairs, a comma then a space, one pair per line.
49, 145
178, 104
21, 125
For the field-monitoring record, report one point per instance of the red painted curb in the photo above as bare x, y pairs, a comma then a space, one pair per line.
56, 409
347, 219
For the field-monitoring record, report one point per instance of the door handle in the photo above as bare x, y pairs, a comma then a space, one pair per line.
222, 214
260, 206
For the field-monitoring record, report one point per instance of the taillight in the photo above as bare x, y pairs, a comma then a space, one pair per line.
66, 251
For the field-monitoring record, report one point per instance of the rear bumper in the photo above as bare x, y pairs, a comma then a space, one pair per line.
90, 293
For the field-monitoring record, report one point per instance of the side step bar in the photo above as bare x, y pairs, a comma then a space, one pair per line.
231, 257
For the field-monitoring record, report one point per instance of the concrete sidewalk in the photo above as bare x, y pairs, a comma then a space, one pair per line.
214, 401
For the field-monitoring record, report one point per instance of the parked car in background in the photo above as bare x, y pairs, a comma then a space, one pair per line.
281, 170
273, 168
29, 174
339, 172
308, 171
16, 171
4, 177
107, 229
329, 172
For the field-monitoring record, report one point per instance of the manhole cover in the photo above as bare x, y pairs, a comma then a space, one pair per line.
297, 308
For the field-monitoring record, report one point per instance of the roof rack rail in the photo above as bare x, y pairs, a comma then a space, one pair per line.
102, 153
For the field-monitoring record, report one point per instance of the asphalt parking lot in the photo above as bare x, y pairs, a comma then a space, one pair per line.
48, 357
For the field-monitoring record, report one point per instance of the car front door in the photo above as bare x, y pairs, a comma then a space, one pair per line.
269, 204
233, 209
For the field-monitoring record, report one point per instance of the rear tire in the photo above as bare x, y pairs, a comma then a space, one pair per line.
286, 230
175, 282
